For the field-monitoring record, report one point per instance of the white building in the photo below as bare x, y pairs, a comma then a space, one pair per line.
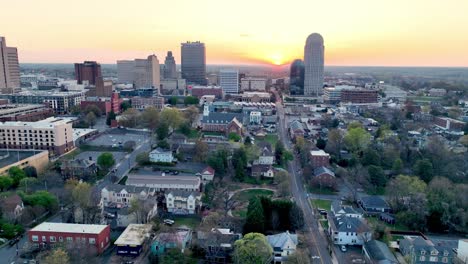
142, 73
120, 196
173, 84
313, 65
267, 157
253, 84
255, 117
345, 230
161, 155
283, 244
183, 202
165, 183
462, 252
208, 174
229, 81
53, 134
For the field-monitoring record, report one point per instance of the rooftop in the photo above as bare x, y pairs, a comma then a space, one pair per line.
69, 228
134, 235
318, 153
45, 123
8, 157
153, 179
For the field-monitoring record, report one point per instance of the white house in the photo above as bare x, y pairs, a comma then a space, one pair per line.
255, 117
183, 202
267, 157
339, 210
348, 230
120, 195
161, 155
207, 174
283, 244
165, 183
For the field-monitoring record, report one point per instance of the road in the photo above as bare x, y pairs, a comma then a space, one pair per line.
319, 249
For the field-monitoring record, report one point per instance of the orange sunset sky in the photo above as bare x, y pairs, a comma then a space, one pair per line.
356, 32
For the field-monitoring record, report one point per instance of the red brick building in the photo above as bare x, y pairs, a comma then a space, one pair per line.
359, 96
449, 123
324, 177
200, 91
96, 237
104, 104
319, 158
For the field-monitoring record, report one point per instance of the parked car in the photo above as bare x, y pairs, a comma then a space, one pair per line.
169, 222
343, 248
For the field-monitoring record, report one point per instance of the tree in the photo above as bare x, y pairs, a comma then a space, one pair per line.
357, 139
255, 221
377, 176
191, 100
93, 109
130, 118
91, 119
125, 105
150, 118
172, 117
248, 141
253, 248
5, 183
234, 137
335, 142
321, 143
164, 144
402, 188
58, 256
298, 257
191, 114
142, 158
42, 198
370, 157
162, 130
75, 110
173, 100
111, 116
464, 140
354, 125
279, 152
201, 151
397, 166
423, 168
16, 174
296, 217
106, 161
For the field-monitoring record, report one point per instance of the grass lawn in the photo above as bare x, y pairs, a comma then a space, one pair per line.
320, 190
186, 221
252, 180
324, 224
322, 204
270, 138
244, 196
374, 221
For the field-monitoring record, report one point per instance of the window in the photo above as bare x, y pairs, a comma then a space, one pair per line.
445, 260
446, 253
35, 238
423, 252
60, 239
433, 259
92, 241
44, 239
52, 239
107, 239
102, 244
422, 258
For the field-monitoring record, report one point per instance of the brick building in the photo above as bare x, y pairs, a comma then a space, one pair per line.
106, 105
200, 91
144, 102
319, 158
24, 112
96, 237
449, 123
359, 96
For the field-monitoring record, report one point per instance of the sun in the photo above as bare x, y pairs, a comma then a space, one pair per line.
277, 59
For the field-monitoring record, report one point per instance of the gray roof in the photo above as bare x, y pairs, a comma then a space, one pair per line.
321, 170
379, 252
296, 125
134, 179
130, 189
279, 240
374, 202
222, 118
350, 224
184, 193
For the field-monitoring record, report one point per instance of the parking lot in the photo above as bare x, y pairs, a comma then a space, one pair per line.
116, 137
95, 154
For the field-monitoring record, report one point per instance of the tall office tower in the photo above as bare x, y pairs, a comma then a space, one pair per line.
194, 62
142, 73
9, 68
313, 65
88, 72
296, 78
125, 71
229, 81
170, 71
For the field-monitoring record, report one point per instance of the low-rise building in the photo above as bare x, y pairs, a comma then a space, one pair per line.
267, 157
223, 122
163, 241
345, 230
283, 244
183, 202
119, 196
78, 168
24, 112
324, 177
218, 244
262, 170
319, 158
338, 210
105, 104
378, 252
255, 117
23, 158
161, 155
207, 174
373, 204
253, 84
130, 242
141, 103
437, 92
11, 207
296, 129
96, 237
449, 123
359, 96
165, 183
200, 91
420, 250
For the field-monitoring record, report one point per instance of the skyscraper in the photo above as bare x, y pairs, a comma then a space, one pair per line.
229, 81
296, 78
170, 71
313, 65
88, 72
194, 62
9, 68
142, 73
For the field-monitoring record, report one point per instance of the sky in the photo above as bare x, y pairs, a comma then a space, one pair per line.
356, 32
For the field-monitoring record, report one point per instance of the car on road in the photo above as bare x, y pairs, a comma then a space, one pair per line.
168, 222
343, 248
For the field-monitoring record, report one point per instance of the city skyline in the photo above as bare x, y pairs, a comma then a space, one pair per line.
358, 33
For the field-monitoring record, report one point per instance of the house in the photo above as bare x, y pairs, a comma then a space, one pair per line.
161, 155
118, 196
218, 244
11, 207
177, 138
283, 244
260, 170
183, 202
344, 230
373, 204
165, 183
421, 250
236, 127
78, 168
130, 242
338, 210
207, 174
96, 237
163, 241
118, 218
324, 177
267, 157
221, 122
387, 218
319, 158
296, 129
377, 252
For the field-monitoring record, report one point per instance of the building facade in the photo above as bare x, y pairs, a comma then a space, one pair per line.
142, 73
80, 235
60, 102
319, 158
9, 68
194, 62
24, 112
183, 202
165, 183
296, 78
141, 103
359, 96
161, 155
170, 70
199, 91
313, 65
229, 81
52, 134
253, 84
